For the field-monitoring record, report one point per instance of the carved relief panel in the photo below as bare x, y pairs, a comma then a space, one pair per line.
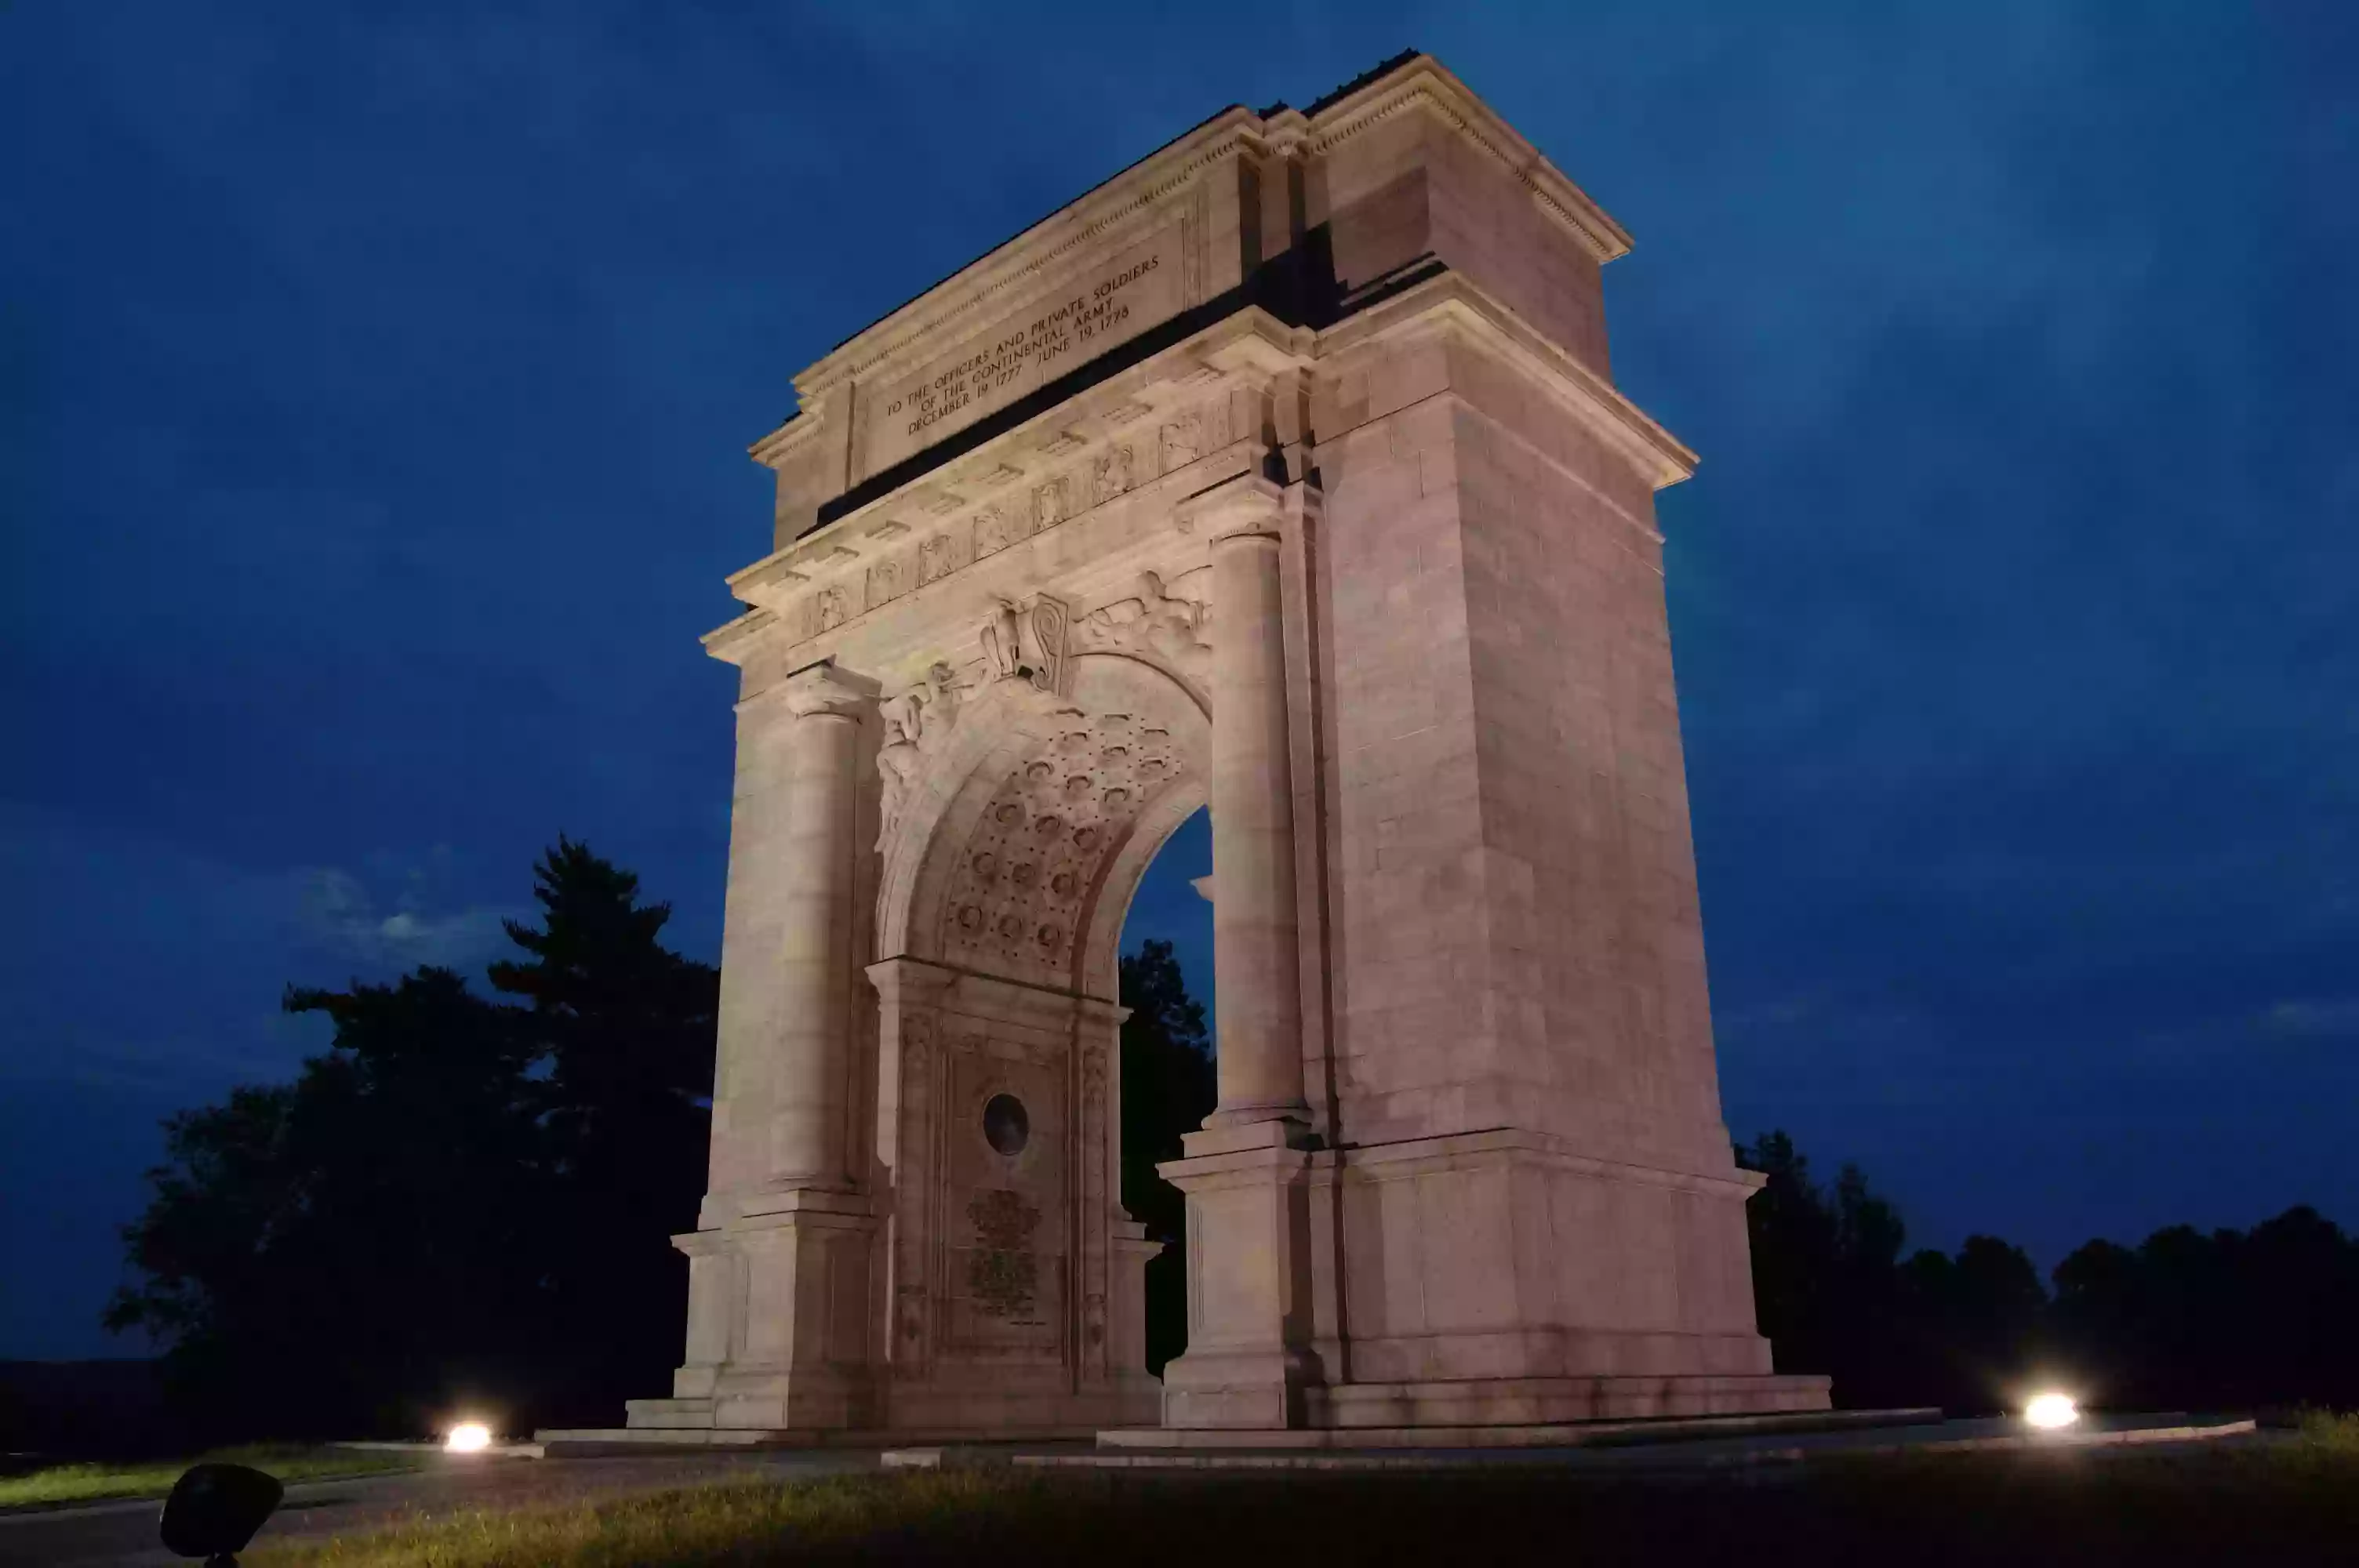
1004, 1205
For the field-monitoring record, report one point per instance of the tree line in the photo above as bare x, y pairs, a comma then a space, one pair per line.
2187, 1320
467, 1201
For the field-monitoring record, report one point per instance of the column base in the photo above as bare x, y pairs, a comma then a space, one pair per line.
778, 1330
763, 1402
1230, 1389
1539, 1402
1248, 1361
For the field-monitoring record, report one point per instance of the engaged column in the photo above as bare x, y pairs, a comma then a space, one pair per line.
1258, 998
815, 960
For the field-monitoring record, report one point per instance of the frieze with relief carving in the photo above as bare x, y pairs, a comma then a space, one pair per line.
1006, 508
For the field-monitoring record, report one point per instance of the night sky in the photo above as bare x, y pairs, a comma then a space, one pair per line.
377, 382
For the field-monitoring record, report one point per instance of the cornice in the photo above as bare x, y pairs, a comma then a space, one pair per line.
1248, 503
1426, 82
729, 641
796, 428
1452, 299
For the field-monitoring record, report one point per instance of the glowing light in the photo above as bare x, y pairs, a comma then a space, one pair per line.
467, 1437
2051, 1411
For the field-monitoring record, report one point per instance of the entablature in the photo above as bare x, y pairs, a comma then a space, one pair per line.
1151, 435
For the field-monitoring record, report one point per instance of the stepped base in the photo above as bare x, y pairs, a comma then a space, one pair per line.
577, 1442
1529, 1401
1555, 1434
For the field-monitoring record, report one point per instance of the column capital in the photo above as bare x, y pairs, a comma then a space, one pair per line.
1097, 1010
822, 689
1246, 506
908, 979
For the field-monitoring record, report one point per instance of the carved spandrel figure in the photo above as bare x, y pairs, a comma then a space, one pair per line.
906, 715
1172, 626
1163, 620
1003, 647
912, 722
941, 697
897, 761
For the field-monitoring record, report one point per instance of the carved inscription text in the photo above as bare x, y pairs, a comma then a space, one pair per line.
1130, 293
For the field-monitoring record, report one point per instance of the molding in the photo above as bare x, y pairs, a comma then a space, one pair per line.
1426, 83
822, 690
1452, 300
1449, 1152
769, 583
731, 642
1245, 504
795, 430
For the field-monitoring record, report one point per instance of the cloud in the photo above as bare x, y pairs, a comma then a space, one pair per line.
2337, 1017
155, 965
336, 911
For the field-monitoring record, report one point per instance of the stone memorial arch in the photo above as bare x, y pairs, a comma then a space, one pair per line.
1282, 473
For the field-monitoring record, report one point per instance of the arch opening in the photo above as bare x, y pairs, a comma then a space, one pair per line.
1168, 1079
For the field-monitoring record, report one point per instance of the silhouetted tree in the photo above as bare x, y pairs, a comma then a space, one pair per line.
2231, 1320
1824, 1285
626, 1027
1973, 1324
2228, 1321
415, 1223
1792, 1232
1167, 1088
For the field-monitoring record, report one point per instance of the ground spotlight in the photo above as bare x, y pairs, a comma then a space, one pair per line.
2051, 1411
467, 1437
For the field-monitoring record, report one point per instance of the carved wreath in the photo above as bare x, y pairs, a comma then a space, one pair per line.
1004, 1275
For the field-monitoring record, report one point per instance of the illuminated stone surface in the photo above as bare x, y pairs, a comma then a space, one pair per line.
1282, 471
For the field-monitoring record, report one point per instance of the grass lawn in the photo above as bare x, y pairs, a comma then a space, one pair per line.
2294, 1502
61, 1483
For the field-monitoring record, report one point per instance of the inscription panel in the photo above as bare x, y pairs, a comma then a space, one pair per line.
1135, 288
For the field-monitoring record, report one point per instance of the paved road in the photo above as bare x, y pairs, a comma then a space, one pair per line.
2100, 1437
125, 1533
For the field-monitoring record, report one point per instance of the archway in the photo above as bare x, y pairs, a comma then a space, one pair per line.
1009, 852
1467, 1164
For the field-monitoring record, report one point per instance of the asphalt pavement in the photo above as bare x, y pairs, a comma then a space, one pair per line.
125, 1533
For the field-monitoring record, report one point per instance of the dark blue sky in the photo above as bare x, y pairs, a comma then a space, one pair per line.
376, 380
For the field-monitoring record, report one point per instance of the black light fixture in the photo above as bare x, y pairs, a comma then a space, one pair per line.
214, 1510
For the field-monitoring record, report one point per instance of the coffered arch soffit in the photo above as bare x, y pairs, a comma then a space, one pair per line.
1018, 847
